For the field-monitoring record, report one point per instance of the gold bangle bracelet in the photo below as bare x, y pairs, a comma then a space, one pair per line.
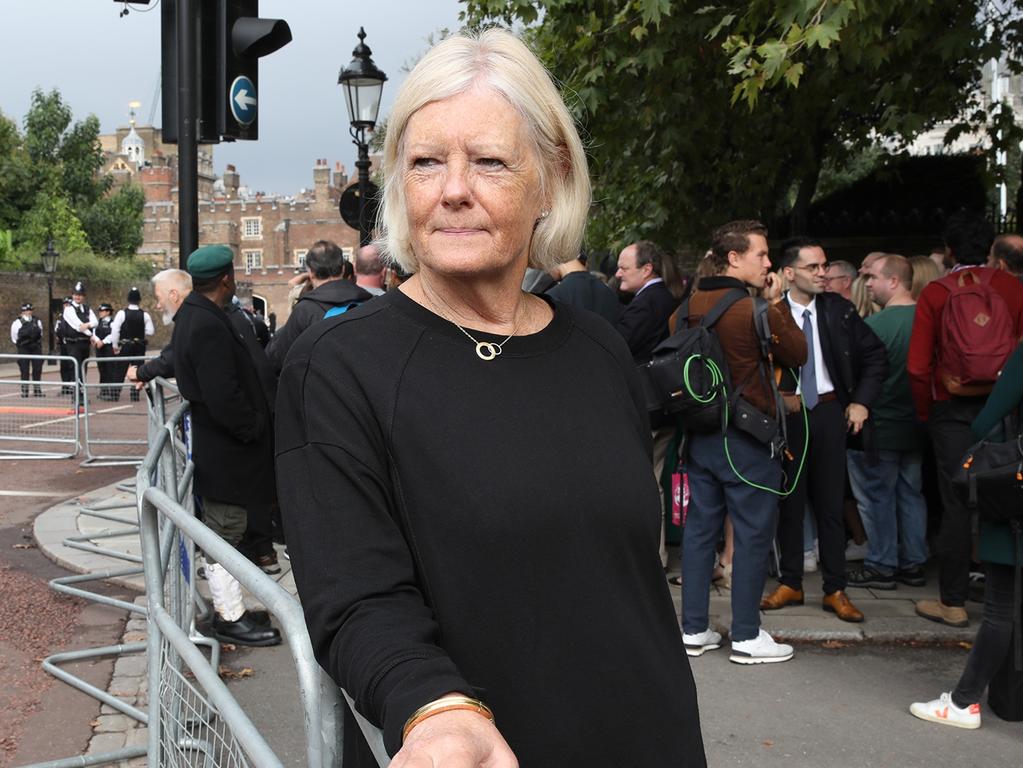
445, 704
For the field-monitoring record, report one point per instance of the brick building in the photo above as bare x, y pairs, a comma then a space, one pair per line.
269, 234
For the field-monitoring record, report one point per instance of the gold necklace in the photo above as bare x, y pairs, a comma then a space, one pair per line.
485, 350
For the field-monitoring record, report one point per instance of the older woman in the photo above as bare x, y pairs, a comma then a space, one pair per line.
465, 468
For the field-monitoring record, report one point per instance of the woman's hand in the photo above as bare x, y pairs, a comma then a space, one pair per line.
456, 739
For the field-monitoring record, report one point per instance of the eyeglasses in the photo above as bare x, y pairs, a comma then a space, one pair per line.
814, 268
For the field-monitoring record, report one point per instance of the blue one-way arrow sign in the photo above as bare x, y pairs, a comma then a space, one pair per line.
243, 101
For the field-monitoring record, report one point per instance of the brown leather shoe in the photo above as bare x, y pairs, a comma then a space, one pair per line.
840, 604
781, 597
935, 610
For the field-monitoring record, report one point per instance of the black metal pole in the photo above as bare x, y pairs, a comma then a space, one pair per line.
365, 233
49, 310
188, 149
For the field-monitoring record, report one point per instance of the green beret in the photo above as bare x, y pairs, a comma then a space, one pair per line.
210, 261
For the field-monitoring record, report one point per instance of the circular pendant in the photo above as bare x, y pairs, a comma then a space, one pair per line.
487, 350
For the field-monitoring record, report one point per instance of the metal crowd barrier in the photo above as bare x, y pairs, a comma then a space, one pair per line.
111, 403
38, 419
193, 717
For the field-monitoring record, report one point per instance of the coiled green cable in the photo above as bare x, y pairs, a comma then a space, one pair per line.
717, 379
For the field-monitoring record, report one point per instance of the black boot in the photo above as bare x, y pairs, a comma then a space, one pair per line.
244, 631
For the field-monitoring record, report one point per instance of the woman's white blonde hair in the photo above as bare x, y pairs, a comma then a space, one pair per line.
497, 59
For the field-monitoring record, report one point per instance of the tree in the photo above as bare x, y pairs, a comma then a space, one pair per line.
52, 216
113, 224
16, 188
50, 184
697, 112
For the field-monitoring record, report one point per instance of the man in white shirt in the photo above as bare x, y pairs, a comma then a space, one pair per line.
79, 333
27, 338
843, 375
129, 331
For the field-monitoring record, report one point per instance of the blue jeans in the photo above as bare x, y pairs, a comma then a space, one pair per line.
892, 508
715, 490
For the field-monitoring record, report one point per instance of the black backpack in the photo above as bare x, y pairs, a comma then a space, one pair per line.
688, 375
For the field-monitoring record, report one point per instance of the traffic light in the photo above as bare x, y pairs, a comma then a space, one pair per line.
205, 90
242, 38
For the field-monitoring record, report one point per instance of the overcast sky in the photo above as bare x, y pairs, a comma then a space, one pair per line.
101, 62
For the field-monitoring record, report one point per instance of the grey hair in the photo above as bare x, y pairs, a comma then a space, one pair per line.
500, 61
847, 269
176, 278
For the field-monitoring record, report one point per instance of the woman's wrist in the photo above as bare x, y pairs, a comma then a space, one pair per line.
449, 703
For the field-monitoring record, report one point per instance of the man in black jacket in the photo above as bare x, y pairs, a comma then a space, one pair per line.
844, 372
325, 263
231, 429
644, 322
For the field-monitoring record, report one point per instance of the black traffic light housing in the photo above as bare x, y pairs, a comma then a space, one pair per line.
242, 38
229, 40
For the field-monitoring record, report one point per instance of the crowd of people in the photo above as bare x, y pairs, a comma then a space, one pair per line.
880, 369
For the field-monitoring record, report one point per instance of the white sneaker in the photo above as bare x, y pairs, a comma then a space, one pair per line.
943, 711
809, 561
760, 650
854, 551
700, 643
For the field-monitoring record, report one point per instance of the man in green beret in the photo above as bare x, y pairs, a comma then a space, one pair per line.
231, 430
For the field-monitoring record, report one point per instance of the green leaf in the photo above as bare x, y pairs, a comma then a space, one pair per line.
639, 32
793, 73
725, 21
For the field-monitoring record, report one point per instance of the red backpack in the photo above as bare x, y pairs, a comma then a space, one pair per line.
977, 333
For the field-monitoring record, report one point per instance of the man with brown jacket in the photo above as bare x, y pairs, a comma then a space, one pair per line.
734, 473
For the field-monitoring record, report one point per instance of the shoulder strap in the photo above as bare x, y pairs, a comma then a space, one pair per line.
723, 305
340, 310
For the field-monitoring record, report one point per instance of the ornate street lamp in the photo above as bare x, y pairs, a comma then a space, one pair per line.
50, 258
363, 83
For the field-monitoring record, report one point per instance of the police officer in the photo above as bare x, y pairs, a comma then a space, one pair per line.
108, 368
67, 367
27, 337
79, 335
130, 328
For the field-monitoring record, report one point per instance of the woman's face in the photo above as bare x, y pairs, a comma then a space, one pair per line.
472, 185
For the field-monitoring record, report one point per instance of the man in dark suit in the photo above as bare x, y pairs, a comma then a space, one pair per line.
644, 322
231, 429
844, 373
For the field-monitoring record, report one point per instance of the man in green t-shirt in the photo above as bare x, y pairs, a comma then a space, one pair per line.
889, 495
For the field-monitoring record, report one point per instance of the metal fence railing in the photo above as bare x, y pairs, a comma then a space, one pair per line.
38, 419
113, 408
193, 718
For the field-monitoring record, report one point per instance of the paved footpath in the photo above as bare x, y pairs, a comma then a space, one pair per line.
838, 667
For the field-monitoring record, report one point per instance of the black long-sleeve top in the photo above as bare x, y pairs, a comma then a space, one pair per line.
485, 527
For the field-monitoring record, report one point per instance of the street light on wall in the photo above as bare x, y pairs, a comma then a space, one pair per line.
50, 258
363, 83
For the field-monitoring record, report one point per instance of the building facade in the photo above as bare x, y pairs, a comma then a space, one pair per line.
269, 234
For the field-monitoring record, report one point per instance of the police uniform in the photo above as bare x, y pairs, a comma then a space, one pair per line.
67, 367
27, 337
107, 370
78, 341
131, 327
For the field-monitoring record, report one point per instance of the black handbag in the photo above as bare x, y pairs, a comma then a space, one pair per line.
990, 479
